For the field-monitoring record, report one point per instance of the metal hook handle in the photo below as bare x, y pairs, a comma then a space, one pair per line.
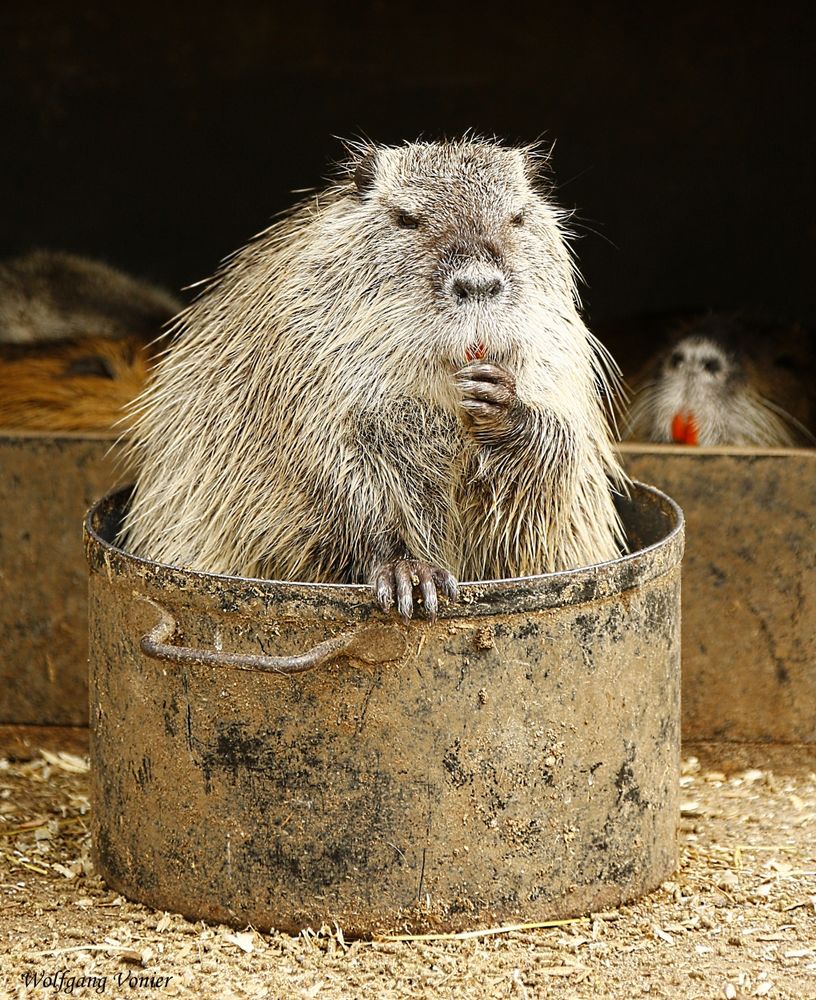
375, 643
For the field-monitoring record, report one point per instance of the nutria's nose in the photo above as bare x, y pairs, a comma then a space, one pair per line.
474, 286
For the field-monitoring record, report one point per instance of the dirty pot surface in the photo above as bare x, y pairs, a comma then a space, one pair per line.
285, 755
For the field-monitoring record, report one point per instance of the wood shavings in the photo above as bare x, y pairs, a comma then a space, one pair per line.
749, 835
67, 761
486, 932
243, 941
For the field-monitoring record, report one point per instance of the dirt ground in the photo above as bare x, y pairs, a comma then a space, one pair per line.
737, 920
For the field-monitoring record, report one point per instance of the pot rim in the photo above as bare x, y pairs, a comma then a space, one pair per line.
571, 586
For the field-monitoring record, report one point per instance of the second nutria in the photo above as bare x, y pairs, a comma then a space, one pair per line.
71, 385
722, 378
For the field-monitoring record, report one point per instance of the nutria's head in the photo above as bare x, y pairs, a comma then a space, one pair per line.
705, 389
464, 234
699, 379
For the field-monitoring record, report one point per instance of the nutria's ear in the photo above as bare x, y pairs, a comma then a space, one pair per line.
366, 172
536, 164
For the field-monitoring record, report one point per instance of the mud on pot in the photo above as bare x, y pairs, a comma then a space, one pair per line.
284, 754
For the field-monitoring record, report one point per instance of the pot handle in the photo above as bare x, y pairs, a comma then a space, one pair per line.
375, 643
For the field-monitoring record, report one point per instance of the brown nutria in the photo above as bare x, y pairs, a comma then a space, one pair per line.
72, 385
50, 295
391, 385
726, 379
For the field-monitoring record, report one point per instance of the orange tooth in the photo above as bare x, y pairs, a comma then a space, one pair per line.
684, 429
475, 352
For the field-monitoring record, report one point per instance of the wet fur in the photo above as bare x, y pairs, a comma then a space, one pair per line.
307, 424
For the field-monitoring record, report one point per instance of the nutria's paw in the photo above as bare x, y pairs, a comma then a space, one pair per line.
394, 583
490, 407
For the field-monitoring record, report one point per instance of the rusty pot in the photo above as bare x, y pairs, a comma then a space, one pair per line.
284, 754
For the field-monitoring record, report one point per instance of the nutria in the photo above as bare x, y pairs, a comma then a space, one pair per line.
391, 385
725, 378
50, 295
71, 385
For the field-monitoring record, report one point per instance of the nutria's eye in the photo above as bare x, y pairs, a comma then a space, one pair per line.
517, 219
676, 359
712, 365
407, 221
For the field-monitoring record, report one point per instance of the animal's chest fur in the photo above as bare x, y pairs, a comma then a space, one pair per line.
412, 441
418, 453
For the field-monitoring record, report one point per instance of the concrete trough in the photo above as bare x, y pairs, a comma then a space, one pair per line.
749, 587
47, 483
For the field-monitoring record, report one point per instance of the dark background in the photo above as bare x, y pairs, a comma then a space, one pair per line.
161, 138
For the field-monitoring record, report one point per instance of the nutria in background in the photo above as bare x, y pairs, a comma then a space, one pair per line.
391, 385
50, 295
71, 385
74, 336
723, 378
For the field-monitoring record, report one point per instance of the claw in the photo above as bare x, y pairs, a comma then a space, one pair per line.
384, 587
447, 584
490, 392
394, 584
483, 371
476, 406
405, 589
427, 586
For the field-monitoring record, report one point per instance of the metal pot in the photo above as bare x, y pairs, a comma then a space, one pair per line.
285, 754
